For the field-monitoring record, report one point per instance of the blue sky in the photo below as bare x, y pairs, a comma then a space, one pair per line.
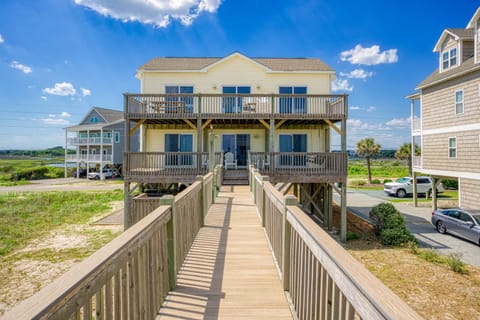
58, 58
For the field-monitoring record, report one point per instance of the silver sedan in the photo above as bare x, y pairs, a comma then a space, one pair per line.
459, 222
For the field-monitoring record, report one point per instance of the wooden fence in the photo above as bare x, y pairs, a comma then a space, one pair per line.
130, 277
322, 280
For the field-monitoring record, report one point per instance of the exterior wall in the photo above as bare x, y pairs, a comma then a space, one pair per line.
477, 40
236, 71
118, 146
438, 103
448, 44
467, 50
435, 152
468, 193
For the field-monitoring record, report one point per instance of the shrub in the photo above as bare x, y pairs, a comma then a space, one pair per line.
456, 264
387, 180
357, 183
376, 181
450, 184
352, 236
389, 225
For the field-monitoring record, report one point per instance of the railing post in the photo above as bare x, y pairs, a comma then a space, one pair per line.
254, 188
169, 200
264, 197
202, 201
289, 200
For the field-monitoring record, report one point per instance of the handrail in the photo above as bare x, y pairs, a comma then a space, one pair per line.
320, 278
130, 277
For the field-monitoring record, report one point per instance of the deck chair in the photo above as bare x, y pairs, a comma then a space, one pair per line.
230, 161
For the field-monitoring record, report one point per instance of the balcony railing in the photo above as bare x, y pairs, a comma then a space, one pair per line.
301, 166
83, 141
89, 157
281, 106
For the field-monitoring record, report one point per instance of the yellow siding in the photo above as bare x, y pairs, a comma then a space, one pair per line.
155, 139
236, 71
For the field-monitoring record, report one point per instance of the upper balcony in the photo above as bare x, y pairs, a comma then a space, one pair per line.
235, 106
89, 158
89, 141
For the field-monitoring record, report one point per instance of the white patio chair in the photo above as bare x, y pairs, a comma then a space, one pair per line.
230, 161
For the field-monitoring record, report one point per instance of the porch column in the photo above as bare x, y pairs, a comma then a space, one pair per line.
415, 198
66, 142
343, 195
271, 146
101, 155
199, 144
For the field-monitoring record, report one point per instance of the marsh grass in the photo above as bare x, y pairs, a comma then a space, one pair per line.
25, 216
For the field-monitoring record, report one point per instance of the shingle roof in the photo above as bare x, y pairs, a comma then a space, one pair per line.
435, 77
461, 33
196, 64
109, 115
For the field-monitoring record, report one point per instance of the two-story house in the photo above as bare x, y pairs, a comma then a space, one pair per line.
98, 141
447, 125
276, 114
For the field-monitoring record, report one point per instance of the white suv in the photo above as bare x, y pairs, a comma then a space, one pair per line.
404, 186
96, 175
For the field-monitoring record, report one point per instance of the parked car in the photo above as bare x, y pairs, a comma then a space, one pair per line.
404, 186
82, 173
96, 175
459, 222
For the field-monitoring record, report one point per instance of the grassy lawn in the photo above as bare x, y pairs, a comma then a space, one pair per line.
26, 216
381, 169
13, 171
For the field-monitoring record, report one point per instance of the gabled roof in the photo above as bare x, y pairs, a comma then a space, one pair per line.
437, 77
108, 115
475, 17
196, 64
457, 34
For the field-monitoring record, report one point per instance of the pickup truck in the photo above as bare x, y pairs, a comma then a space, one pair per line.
404, 186
96, 175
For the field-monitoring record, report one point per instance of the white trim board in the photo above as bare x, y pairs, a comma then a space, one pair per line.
449, 173
461, 128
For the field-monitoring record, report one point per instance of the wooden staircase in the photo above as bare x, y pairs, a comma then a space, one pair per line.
235, 177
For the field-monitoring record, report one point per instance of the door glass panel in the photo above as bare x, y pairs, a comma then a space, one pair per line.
186, 145
187, 101
300, 145
243, 146
228, 143
285, 102
285, 145
228, 102
171, 145
300, 103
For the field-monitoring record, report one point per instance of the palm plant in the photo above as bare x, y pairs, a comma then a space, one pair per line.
368, 148
405, 152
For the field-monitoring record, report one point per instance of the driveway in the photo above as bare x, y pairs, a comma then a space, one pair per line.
418, 222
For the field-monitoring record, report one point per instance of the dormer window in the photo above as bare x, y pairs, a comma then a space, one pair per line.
449, 58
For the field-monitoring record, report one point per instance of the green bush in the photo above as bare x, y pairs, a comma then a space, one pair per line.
450, 184
376, 181
352, 236
389, 225
357, 183
387, 180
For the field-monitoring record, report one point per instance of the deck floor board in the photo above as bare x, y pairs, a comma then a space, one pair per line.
229, 273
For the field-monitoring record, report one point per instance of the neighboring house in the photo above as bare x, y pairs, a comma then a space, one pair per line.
98, 140
448, 124
276, 114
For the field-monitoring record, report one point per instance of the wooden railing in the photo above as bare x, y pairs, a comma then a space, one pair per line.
151, 166
184, 106
321, 279
89, 157
130, 277
302, 166
81, 141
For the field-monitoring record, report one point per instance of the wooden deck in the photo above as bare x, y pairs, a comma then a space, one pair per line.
229, 273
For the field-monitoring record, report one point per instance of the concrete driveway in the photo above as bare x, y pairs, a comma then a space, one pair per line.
418, 222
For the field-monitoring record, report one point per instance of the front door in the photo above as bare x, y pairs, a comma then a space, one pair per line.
239, 145
178, 143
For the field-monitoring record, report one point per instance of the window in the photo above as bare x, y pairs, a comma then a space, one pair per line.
94, 119
175, 94
117, 137
459, 102
449, 58
295, 103
231, 102
452, 147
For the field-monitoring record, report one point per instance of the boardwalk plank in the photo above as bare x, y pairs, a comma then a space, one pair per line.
229, 272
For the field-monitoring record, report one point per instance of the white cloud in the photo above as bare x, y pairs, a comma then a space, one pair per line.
357, 74
341, 85
61, 89
85, 92
399, 122
355, 108
369, 56
53, 119
65, 114
369, 109
156, 12
43, 98
17, 65
1, 39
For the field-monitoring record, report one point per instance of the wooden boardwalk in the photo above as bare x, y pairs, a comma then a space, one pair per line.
229, 273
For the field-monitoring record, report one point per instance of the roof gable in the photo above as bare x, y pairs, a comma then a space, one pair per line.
456, 34
231, 57
103, 115
475, 18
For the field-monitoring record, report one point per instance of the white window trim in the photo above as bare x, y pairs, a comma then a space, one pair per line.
456, 147
463, 101
458, 55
